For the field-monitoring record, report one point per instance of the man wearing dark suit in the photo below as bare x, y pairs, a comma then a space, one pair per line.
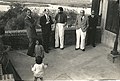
93, 21
31, 32
46, 22
81, 29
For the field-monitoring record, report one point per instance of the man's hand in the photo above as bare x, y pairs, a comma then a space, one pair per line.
47, 22
46, 65
39, 25
65, 24
53, 27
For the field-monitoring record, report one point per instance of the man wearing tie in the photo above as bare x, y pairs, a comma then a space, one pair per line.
81, 28
46, 22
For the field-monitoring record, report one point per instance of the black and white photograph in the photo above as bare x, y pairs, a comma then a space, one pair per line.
59, 40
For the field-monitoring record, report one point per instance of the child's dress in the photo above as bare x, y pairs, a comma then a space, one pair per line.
38, 70
39, 51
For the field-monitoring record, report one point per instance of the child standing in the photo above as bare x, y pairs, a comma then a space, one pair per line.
39, 50
38, 69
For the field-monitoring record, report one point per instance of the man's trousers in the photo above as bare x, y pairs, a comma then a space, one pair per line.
46, 40
91, 36
59, 35
80, 35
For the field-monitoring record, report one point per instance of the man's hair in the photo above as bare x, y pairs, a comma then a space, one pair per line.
27, 9
38, 60
60, 8
46, 10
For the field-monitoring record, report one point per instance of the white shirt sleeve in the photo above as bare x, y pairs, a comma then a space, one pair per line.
33, 68
45, 66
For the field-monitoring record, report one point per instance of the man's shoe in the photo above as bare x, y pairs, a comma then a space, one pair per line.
62, 48
47, 51
83, 49
56, 47
77, 48
94, 45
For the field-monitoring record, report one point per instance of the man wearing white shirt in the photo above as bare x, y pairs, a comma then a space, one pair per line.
61, 22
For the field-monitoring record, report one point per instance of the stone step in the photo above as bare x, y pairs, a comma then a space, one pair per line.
114, 58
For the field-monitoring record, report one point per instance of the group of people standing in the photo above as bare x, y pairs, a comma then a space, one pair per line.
45, 22
85, 25
85, 30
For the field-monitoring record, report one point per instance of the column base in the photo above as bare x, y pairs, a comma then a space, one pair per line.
113, 57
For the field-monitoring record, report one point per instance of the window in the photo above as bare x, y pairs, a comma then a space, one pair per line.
112, 21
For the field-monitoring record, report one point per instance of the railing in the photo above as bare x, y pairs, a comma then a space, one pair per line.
23, 32
17, 39
18, 32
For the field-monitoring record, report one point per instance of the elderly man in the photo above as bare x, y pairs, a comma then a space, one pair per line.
61, 21
81, 28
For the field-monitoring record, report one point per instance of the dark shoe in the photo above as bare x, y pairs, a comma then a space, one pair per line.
62, 48
47, 51
94, 45
77, 48
83, 49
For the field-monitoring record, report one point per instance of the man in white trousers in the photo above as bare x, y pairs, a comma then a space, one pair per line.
61, 21
81, 29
